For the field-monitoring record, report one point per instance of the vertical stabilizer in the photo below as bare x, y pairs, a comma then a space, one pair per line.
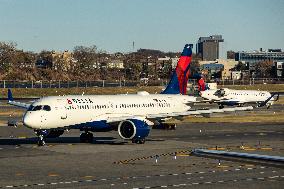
178, 82
10, 96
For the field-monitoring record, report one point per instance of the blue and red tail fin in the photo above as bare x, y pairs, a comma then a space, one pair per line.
178, 82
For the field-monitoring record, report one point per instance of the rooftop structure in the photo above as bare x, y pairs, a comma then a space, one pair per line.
254, 57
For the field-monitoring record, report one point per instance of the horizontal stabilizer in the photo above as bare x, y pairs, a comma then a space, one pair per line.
269, 99
14, 103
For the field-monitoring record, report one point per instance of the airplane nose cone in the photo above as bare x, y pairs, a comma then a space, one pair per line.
27, 120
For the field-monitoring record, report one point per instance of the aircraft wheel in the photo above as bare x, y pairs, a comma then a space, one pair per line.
90, 137
142, 141
41, 141
86, 137
83, 137
138, 141
173, 126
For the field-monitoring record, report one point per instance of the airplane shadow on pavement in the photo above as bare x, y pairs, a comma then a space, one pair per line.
60, 140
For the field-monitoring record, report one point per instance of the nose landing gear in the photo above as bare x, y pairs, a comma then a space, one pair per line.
41, 141
41, 134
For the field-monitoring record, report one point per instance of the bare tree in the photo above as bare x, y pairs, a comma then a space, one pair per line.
264, 69
7, 52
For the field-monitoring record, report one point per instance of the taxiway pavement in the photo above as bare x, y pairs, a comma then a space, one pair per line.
110, 162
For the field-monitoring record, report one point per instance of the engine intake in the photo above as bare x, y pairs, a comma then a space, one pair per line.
133, 128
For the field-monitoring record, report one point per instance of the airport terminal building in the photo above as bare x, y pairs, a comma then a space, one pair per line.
275, 55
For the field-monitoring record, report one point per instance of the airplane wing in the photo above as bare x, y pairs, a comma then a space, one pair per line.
199, 112
179, 114
14, 103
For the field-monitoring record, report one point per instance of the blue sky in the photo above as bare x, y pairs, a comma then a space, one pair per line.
166, 25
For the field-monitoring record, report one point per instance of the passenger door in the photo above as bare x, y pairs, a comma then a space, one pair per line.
61, 107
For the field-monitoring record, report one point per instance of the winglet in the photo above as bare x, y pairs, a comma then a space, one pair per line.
10, 96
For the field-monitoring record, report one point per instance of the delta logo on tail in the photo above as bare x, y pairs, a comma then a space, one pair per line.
178, 82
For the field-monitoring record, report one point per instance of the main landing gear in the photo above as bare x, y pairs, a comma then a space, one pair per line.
138, 140
86, 137
166, 126
221, 106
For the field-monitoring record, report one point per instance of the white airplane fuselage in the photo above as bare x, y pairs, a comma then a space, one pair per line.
64, 111
242, 96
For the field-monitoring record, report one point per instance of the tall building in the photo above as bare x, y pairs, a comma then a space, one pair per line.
208, 47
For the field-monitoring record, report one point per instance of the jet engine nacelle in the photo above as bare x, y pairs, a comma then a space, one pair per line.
133, 129
50, 133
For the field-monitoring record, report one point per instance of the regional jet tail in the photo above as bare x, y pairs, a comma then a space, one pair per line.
178, 82
131, 115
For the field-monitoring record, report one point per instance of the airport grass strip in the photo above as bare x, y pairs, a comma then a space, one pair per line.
252, 118
39, 92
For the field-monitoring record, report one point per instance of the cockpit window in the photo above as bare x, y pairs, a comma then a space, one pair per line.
46, 108
36, 108
30, 108
39, 107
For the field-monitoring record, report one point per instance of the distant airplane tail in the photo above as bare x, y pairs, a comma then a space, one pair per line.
200, 82
271, 99
178, 82
10, 95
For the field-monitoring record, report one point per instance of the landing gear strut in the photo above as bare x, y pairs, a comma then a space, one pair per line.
86, 137
40, 134
138, 140
40, 141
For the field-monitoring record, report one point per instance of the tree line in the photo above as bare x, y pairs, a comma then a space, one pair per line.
83, 63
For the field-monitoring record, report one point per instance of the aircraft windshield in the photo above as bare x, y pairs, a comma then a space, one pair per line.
39, 107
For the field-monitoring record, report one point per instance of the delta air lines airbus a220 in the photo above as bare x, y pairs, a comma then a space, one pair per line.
131, 115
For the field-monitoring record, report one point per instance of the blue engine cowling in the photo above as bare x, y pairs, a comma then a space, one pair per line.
133, 129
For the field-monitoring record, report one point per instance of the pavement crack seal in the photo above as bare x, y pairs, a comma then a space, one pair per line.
177, 153
189, 152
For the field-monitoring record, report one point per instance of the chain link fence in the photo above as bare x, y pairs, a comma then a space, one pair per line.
74, 84
123, 83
